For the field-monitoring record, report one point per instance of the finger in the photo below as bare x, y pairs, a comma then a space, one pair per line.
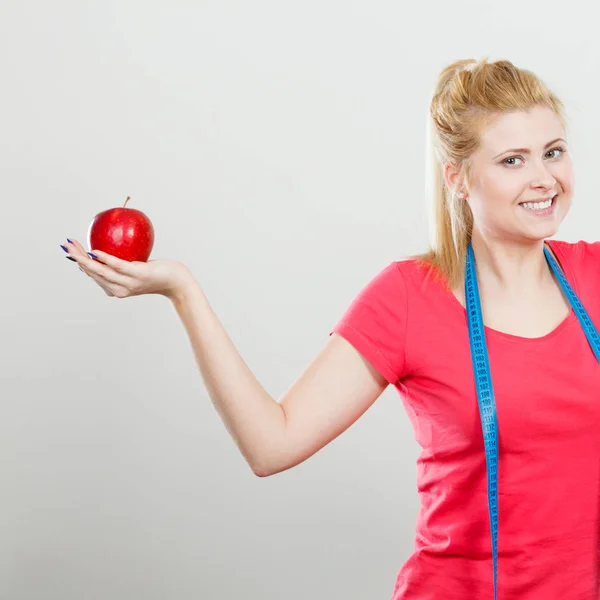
125, 267
106, 286
107, 291
103, 274
95, 268
75, 249
77, 245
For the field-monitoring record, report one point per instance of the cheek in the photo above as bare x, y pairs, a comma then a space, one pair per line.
502, 187
565, 176
487, 211
500, 196
567, 181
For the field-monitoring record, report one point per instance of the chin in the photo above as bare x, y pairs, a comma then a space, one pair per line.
540, 234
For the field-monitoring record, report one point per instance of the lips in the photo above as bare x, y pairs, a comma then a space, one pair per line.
540, 200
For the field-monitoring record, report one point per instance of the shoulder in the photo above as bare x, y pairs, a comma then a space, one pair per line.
397, 280
580, 255
384, 302
386, 288
375, 320
581, 263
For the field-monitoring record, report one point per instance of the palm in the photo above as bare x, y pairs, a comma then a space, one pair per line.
121, 278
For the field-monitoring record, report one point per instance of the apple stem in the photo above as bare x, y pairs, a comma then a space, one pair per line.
126, 201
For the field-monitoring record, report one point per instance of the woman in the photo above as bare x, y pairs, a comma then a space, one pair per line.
507, 414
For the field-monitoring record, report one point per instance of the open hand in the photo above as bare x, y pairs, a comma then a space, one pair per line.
122, 278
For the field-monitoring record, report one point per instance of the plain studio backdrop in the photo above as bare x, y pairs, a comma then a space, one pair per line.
279, 149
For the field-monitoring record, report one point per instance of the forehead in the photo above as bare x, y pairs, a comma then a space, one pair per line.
531, 128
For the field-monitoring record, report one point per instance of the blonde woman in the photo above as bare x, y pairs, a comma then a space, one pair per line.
489, 339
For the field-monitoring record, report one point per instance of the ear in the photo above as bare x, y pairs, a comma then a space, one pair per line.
452, 176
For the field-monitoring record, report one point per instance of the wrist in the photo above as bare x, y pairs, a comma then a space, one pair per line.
184, 285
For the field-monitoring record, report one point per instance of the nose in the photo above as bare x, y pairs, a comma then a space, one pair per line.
541, 176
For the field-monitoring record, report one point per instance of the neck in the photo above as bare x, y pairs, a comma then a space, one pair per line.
508, 266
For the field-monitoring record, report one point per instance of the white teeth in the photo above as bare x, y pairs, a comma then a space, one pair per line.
537, 205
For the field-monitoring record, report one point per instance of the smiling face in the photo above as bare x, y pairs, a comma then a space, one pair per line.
522, 158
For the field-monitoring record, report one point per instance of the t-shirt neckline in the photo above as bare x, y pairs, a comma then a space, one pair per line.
566, 322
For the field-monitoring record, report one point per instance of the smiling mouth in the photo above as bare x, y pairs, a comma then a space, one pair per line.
540, 206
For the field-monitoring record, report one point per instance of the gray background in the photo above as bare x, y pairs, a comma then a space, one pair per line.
278, 148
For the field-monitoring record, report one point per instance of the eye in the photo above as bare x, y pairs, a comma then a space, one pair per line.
505, 161
559, 150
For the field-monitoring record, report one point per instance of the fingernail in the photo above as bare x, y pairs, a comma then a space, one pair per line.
92, 255
64, 248
70, 241
71, 258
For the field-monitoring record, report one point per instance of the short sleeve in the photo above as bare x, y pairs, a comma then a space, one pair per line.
581, 263
375, 322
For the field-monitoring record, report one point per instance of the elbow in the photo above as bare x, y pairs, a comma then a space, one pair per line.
262, 470
259, 466
268, 470
263, 463
261, 473
270, 461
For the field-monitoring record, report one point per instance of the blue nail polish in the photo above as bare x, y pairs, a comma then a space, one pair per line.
64, 248
92, 255
70, 241
71, 258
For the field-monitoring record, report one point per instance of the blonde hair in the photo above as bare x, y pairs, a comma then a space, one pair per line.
468, 97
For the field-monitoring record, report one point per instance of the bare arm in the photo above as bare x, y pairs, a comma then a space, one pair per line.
337, 387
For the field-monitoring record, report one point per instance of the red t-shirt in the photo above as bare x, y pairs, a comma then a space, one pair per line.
547, 392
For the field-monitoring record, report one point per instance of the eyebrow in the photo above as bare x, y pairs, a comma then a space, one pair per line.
526, 150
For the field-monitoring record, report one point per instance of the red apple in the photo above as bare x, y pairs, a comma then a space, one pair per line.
126, 233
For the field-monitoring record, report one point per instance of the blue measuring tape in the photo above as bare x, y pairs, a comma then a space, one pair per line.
483, 379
